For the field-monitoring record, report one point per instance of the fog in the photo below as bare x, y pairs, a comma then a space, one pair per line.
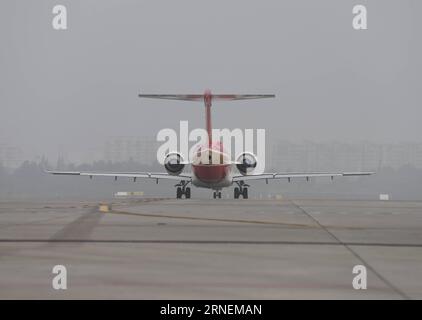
66, 92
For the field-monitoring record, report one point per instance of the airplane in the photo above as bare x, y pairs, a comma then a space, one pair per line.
206, 174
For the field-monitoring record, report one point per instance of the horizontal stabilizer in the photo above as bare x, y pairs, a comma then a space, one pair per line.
201, 97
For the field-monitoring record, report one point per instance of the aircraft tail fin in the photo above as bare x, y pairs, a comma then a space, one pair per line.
207, 97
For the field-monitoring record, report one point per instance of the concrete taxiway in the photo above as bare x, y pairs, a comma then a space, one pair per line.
217, 249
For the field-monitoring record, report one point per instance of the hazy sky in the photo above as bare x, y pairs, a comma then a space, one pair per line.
67, 91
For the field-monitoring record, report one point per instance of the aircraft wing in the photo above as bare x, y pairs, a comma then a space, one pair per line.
132, 175
292, 175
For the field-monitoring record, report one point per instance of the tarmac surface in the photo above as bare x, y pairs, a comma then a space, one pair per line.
211, 249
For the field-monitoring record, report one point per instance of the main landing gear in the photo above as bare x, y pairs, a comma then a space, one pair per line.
217, 194
182, 189
241, 190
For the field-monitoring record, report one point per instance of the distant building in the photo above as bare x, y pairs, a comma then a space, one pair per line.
140, 149
311, 156
290, 156
10, 157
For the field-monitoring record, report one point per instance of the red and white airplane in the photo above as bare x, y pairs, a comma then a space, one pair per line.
206, 174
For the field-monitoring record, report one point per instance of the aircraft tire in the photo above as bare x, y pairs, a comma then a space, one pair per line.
236, 193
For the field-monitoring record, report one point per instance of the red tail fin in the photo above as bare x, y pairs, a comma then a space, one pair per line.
207, 97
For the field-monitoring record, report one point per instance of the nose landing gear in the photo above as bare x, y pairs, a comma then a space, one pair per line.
217, 194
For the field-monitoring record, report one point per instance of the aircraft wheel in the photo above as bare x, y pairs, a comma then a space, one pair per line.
245, 193
179, 193
219, 194
187, 193
236, 193
214, 195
